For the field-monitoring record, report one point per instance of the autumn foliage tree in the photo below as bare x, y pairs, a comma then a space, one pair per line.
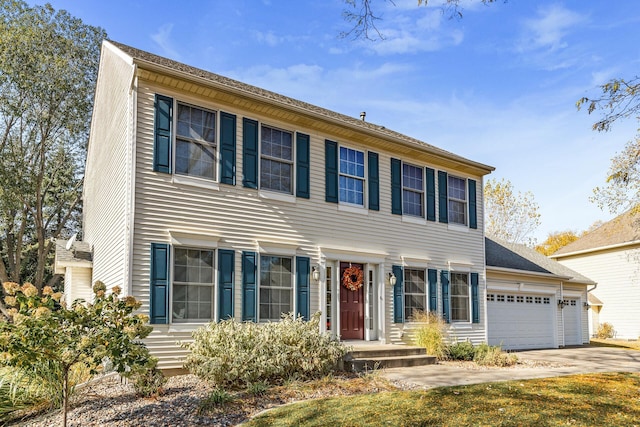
555, 241
41, 334
509, 215
48, 67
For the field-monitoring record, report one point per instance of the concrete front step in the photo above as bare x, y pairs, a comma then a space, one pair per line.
387, 356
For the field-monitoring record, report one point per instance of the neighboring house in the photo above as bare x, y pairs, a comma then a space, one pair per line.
533, 301
207, 198
610, 255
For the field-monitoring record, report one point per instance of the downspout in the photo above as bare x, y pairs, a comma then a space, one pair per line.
562, 311
132, 170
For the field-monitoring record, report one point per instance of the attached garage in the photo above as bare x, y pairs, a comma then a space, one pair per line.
521, 321
533, 301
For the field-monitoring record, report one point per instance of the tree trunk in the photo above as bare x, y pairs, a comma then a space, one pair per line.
65, 396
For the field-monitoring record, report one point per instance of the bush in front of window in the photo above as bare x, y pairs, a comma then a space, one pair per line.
492, 355
232, 354
431, 334
462, 350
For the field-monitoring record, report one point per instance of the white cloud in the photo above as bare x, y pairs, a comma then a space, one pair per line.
268, 38
163, 39
549, 28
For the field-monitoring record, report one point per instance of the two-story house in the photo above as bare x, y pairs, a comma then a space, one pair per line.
207, 198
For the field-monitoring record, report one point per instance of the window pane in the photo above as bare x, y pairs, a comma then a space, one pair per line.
276, 163
195, 159
460, 297
414, 291
192, 285
195, 123
276, 287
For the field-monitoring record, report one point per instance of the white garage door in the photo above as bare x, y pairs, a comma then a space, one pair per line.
521, 321
571, 314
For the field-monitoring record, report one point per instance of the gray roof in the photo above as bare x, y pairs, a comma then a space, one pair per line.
623, 229
513, 256
79, 252
141, 58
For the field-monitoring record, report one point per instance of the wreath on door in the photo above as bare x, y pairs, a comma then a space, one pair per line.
352, 278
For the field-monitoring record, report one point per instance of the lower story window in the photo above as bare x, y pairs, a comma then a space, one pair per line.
460, 297
192, 285
276, 287
414, 292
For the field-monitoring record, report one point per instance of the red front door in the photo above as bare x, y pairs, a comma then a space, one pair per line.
351, 306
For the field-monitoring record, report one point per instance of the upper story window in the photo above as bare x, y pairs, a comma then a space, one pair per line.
457, 202
195, 142
276, 160
412, 190
460, 300
276, 287
193, 273
351, 181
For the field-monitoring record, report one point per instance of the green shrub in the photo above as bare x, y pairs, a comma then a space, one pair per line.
431, 334
258, 389
462, 350
605, 330
234, 354
487, 355
148, 382
218, 397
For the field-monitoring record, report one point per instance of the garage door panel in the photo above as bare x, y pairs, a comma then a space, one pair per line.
520, 321
572, 322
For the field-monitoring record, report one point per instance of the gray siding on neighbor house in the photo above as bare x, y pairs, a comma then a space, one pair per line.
617, 273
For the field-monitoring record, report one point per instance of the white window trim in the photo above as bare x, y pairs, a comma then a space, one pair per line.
423, 192
426, 288
268, 193
195, 180
456, 225
277, 248
189, 324
350, 207
469, 298
412, 219
294, 307
364, 179
413, 262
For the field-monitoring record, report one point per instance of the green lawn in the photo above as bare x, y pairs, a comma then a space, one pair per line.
581, 400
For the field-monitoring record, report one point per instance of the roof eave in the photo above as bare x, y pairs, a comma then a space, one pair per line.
595, 249
481, 168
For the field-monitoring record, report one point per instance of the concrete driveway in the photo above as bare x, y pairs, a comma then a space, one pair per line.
537, 364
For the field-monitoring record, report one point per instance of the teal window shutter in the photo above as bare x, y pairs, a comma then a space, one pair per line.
433, 290
374, 182
396, 187
473, 210
227, 148
475, 302
331, 171
431, 195
249, 286
442, 197
303, 267
163, 138
249, 153
444, 280
159, 292
226, 263
302, 165
398, 295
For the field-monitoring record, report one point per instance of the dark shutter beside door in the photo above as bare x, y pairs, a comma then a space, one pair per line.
398, 295
302, 286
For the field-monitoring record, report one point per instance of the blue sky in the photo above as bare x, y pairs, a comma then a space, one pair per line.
498, 86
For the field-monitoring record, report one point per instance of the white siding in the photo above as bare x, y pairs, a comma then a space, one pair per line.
77, 285
618, 277
241, 218
107, 183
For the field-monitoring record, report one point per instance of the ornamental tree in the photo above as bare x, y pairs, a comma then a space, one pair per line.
40, 329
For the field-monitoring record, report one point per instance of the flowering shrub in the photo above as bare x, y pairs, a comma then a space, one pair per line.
234, 354
40, 331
